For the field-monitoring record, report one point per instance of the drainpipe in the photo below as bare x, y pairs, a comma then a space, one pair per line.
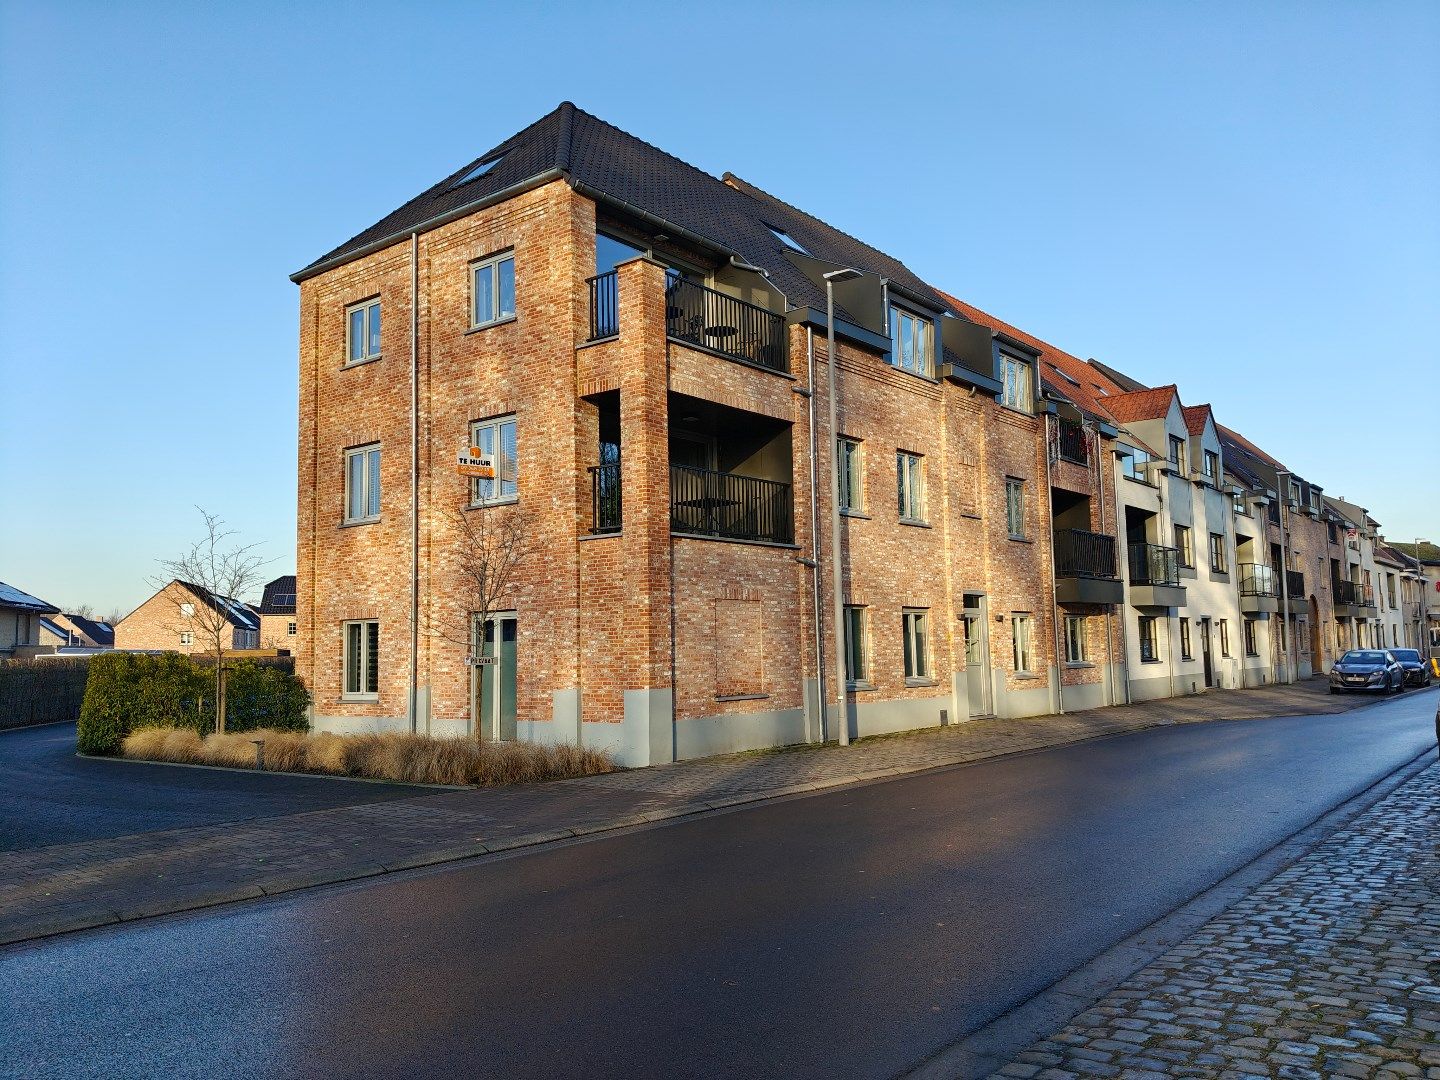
1055, 632
1282, 494
414, 481
1109, 615
814, 726
843, 719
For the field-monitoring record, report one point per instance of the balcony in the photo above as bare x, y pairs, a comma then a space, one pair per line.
706, 502
605, 498
604, 306
1155, 576
722, 324
1353, 600
1259, 588
1074, 444
1085, 568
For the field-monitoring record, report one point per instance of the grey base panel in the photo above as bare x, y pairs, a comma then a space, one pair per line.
900, 714
359, 725
1085, 696
648, 728
732, 733
1153, 689
1035, 700
1254, 677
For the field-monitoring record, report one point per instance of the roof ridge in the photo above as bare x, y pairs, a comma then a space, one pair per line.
563, 140
643, 142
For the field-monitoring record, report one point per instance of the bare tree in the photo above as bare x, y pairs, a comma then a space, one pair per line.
219, 570
85, 611
490, 542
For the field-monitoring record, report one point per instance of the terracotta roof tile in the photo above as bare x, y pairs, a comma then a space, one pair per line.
1142, 404
1195, 417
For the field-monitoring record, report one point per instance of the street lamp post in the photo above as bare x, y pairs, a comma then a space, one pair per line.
1424, 642
836, 578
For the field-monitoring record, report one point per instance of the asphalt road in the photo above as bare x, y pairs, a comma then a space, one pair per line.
50, 796
849, 934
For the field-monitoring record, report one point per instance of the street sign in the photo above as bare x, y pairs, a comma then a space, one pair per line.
481, 661
474, 462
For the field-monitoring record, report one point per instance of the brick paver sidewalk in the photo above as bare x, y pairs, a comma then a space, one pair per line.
73, 886
1331, 969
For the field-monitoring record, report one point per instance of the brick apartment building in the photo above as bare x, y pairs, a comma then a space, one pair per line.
643, 349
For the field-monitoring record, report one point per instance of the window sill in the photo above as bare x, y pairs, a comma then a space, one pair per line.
1144, 661
359, 699
1220, 575
1011, 408
860, 514
913, 681
859, 686
491, 325
1029, 676
358, 522
916, 522
922, 376
359, 363
1073, 664
508, 500
1020, 539
970, 514
741, 697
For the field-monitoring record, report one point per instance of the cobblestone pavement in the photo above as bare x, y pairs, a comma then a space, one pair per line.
1331, 969
73, 886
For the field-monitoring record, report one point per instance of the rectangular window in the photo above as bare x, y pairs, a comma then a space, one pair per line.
1149, 640
1250, 647
362, 659
1224, 637
1218, 561
1212, 466
1016, 389
910, 341
1023, 631
187, 637
916, 628
1015, 507
497, 439
290, 629
362, 332
1177, 454
1185, 640
362, 484
1132, 461
857, 670
910, 485
1076, 651
1186, 556
492, 289
851, 475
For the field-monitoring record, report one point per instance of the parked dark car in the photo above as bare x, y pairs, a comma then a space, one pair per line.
1417, 671
1367, 669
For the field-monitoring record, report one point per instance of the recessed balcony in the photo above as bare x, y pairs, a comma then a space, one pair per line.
1155, 576
1259, 588
1086, 571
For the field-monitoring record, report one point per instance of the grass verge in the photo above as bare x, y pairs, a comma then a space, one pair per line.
411, 759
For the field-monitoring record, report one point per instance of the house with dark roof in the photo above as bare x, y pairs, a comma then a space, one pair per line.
68, 632
183, 617
20, 622
278, 627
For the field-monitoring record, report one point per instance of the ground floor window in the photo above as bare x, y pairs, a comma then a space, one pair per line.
1076, 651
856, 668
1224, 637
1185, 640
1250, 647
1149, 640
1023, 627
362, 659
915, 624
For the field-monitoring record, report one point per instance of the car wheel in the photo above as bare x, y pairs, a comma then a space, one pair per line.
1334, 691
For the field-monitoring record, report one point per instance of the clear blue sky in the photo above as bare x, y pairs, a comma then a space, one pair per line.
1241, 198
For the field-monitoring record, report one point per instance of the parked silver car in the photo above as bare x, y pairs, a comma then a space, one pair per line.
1374, 670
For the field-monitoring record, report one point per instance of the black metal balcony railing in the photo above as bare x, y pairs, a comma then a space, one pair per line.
1074, 443
710, 503
1352, 592
1151, 564
731, 327
1084, 554
605, 498
1295, 582
1258, 579
604, 305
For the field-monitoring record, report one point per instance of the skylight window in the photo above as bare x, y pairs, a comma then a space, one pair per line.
786, 239
479, 170
1101, 390
1067, 378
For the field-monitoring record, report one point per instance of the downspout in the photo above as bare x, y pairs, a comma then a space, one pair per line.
836, 571
1284, 516
670, 541
1109, 622
1055, 633
414, 481
818, 728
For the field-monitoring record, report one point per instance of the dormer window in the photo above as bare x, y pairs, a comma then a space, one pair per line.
1177, 454
911, 338
1017, 388
1212, 466
786, 239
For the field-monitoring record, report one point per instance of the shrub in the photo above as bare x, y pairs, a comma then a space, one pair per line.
264, 696
41, 691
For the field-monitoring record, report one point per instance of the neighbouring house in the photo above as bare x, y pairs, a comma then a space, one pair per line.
278, 627
68, 631
20, 622
172, 621
638, 353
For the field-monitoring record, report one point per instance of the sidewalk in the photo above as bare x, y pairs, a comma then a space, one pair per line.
74, 886
1330, 969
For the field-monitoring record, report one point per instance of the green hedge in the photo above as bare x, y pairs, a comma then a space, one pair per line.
41, 691
126, 691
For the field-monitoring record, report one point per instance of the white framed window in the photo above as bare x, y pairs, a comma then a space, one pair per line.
362, 332
1177, 454
290, 629
1077, 650
1022, 629
1212, 466
915, 625
1251, 649
361, 659
910, 485
850, 470
362, 484
492, 289
1185, 551
1015, 507
857, 666
1149, 640
911, 338
496, 437
187, 637
1017, 389
1224, 630
1185, 640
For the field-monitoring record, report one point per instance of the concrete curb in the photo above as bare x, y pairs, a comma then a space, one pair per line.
990, 1047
